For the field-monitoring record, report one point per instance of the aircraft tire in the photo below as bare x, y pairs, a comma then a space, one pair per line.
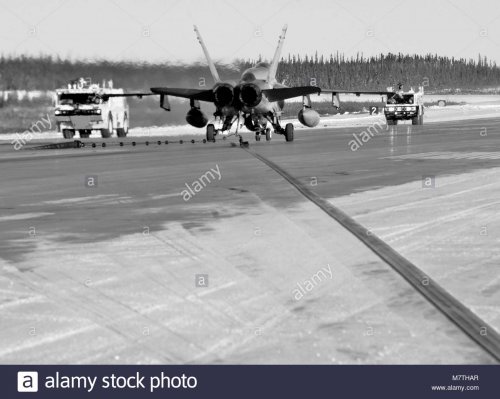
289, 132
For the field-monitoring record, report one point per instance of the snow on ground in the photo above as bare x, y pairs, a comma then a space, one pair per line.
455, 244
133, 298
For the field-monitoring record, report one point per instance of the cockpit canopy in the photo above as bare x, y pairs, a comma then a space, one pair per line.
258, 72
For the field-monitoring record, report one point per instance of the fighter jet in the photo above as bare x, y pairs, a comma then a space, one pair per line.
257, 98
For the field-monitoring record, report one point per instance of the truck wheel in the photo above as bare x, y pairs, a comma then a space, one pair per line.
210, 132
289, 132
106, 133
84, 134
123, 131
417, 120
68, 133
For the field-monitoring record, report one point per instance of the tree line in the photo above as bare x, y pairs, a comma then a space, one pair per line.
436, 73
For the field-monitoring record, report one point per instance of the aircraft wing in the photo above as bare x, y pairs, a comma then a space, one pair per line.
336, 99
193, 94
357, 92
284, 93
139, 95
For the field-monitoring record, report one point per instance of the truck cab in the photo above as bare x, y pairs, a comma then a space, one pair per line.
85, 108
405, 106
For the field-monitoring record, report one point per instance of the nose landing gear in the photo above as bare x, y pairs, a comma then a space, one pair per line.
265, 132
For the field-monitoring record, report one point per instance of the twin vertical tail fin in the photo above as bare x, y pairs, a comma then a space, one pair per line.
211, 65
277, 54
271, 77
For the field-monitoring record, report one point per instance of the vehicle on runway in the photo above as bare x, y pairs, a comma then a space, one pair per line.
257, 98
405, 106
84, 107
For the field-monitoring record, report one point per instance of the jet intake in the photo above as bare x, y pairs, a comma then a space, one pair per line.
250, 94
223, 94
196, 118
308, 117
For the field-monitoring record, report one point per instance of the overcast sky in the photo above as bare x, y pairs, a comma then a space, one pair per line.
162, 30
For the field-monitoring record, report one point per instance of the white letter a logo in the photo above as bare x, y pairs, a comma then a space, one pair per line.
27, 381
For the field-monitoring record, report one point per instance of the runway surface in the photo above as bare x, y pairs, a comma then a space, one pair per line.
107, 272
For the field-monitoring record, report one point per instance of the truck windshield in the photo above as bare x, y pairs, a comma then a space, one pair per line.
401, 99
66, 98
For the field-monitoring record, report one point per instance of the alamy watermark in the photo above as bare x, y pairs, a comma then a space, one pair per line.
359, 140
25, 137
200, 183
325, 273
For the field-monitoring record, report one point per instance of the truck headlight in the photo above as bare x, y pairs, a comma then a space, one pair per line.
390, 109
98, 111
57, 112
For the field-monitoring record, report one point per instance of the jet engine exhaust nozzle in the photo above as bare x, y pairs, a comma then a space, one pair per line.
250, 95
223, 94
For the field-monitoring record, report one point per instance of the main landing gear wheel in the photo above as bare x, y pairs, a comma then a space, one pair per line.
289, 132
257, 136
268, 134
210, 132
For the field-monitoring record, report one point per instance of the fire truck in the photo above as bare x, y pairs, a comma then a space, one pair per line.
86, 107
405, 106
